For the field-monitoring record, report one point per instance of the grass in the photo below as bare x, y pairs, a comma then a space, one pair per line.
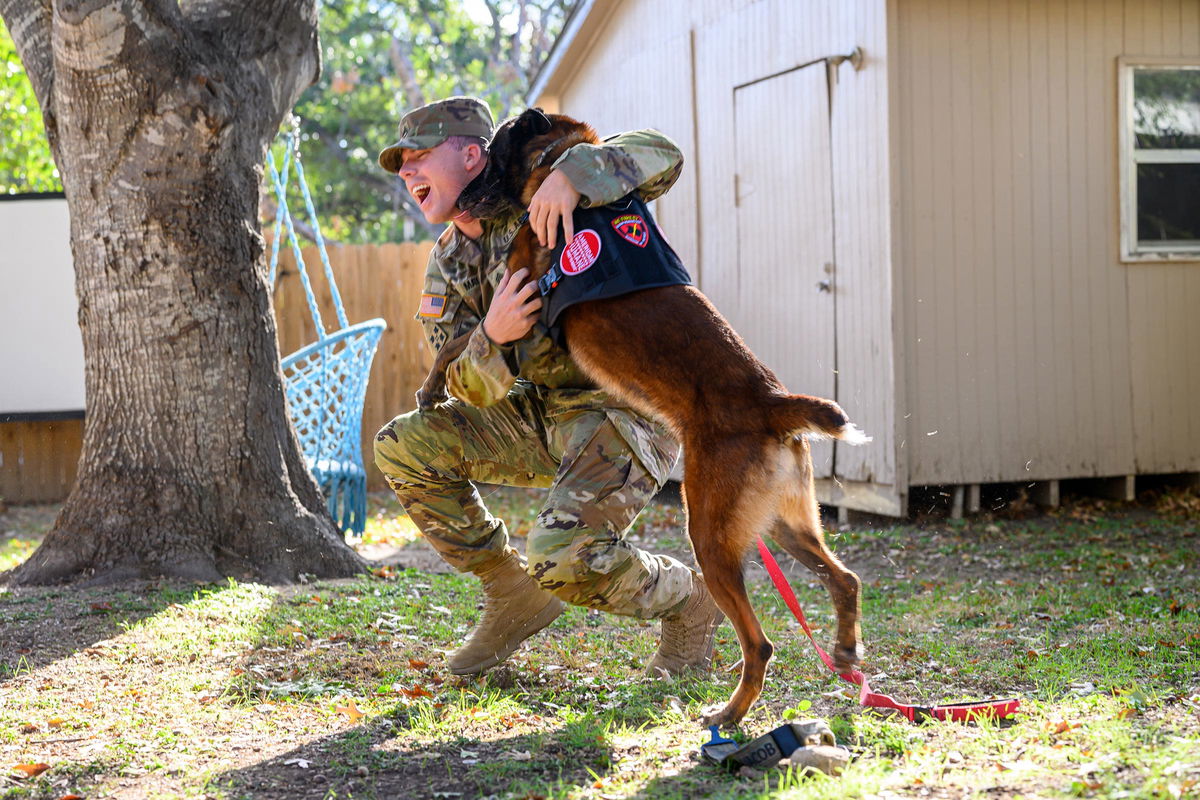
338, 689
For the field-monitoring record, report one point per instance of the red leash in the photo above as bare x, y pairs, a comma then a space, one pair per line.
958, 712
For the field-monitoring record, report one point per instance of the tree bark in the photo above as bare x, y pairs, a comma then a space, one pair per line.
163, 113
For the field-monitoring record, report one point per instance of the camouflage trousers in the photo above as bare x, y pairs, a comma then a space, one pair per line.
576, 548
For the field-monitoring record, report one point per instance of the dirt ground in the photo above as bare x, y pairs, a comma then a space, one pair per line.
119, 710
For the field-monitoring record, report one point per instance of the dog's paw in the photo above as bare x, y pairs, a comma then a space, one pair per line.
722, 717
846, 659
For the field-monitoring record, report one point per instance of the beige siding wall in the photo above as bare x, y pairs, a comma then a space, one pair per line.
1164, 326
676, 65
639, 75
1029, 351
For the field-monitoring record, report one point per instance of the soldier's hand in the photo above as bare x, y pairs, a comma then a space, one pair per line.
514, 309
554, 200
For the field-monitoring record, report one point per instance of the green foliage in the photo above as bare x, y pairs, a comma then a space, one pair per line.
25, 161
379, 59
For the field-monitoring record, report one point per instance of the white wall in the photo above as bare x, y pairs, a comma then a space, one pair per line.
41, 352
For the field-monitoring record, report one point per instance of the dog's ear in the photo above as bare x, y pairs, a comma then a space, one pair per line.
534, 121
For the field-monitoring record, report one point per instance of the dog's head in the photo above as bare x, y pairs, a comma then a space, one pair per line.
521, 148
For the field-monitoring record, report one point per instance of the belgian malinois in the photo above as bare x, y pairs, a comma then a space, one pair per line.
671, 355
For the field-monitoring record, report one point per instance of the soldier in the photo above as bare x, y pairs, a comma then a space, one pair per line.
522, 413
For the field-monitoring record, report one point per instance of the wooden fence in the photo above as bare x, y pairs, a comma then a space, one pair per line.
374, 281
39, 457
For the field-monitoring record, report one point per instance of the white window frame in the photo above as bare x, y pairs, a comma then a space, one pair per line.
1130, 157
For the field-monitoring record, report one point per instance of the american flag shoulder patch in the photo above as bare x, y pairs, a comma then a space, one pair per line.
432, 305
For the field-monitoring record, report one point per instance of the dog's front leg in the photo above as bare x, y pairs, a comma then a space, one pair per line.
433, 390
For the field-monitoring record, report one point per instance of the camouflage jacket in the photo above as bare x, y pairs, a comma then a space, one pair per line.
463, 273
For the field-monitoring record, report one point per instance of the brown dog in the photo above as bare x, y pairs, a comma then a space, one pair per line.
668, 353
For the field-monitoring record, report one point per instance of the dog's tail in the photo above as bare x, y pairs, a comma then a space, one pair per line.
799, 414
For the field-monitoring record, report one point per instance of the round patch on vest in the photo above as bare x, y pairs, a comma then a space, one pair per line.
581, 253
632, 228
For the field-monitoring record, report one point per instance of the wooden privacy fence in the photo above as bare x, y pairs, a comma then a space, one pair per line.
375, 281
39, 453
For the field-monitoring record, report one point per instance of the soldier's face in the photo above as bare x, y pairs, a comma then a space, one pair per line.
435, 177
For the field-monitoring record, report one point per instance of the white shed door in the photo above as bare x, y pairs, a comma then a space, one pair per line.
785, 233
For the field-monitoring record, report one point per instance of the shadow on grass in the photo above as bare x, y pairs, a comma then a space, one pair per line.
375, 761
547, 725
41, 625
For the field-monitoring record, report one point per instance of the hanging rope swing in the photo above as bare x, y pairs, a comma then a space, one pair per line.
326, 381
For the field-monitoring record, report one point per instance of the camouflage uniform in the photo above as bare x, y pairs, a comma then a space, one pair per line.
523, 414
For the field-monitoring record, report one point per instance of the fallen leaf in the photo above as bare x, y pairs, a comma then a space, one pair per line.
416, 691
350, 710
29, 727
517, 755
299, 762
1126, 713
31, 770
71, 797
416, 663
87, 705
55, 722
105, 606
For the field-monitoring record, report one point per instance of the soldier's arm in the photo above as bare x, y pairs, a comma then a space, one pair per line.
484, 372
645, 160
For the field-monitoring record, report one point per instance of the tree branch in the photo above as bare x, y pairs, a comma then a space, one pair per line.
514, 54
497, 32
429, 15
403, 67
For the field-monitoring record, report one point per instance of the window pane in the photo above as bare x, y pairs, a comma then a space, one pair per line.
1168, 199
1166, 108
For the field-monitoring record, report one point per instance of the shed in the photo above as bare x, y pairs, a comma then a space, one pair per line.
974, 223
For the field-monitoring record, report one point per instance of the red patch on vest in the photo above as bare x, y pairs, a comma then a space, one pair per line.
632, 228
581, 253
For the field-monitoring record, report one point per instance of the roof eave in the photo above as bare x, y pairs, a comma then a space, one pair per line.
563, 45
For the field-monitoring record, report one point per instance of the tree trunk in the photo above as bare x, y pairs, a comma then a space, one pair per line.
161, 115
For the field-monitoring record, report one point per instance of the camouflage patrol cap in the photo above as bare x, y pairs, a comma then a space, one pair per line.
430, 125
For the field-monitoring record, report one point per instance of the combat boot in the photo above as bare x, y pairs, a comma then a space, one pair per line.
687, 635
514, 608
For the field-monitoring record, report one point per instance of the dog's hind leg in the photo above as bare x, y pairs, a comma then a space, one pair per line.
798, 531
728, 502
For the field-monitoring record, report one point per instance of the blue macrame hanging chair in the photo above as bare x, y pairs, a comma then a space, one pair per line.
326, 382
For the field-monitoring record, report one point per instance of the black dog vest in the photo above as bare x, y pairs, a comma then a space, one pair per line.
617, 249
